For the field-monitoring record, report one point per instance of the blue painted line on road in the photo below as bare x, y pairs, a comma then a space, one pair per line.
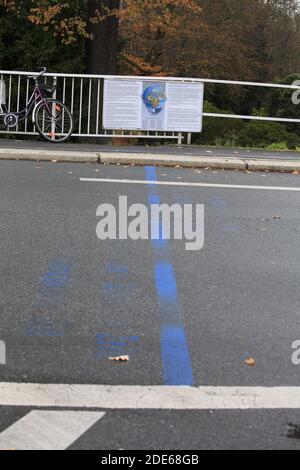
176, 362
150, 174
153, 199
158, 239
165, 281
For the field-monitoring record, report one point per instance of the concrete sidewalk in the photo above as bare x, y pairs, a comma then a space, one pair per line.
146, 157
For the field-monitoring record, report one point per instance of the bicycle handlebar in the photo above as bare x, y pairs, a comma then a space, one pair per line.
36, 77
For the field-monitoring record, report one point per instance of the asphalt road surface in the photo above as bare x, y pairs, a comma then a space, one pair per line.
69, 301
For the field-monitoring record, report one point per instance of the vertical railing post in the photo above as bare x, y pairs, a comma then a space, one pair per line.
53, 127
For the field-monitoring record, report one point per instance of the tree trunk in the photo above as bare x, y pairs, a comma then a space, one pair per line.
102, 50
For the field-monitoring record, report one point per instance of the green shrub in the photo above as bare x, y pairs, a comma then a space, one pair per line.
262, 134
278, 146
218, 131
280, 104
226, 132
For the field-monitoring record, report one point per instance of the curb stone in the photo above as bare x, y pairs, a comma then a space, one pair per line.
183, 161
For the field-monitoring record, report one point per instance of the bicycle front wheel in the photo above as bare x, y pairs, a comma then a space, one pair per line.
53, 120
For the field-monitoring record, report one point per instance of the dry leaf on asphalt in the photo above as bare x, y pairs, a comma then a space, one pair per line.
250, 361
120, 358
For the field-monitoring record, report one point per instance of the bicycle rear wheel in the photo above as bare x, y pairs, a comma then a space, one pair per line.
53, 120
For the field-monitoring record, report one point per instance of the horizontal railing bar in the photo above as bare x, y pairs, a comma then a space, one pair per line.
151, 78
128, 136
251, 118
256, 84
123, 136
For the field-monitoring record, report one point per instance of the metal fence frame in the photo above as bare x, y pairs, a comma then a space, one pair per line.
84, 103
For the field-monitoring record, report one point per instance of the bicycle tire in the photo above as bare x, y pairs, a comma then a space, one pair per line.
53, 120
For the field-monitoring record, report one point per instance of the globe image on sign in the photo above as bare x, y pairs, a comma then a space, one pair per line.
154, 98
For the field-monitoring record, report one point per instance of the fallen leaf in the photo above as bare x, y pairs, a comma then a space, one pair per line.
250, 362
120, 358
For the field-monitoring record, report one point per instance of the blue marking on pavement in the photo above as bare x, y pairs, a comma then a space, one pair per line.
118, 269
52, 285
109, 286
176, 363
158, 239
57, 276
46, 329
165, 281
153, 199
231, 228
218, 203
103, 337
119, 282
113, 345
150, 173
177, 366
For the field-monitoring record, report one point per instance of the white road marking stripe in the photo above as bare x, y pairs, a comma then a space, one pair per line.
152, 397
48, 430
195, 185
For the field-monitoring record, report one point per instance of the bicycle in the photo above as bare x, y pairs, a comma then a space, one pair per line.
51, 118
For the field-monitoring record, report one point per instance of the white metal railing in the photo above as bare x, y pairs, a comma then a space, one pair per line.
2, 94
83, 94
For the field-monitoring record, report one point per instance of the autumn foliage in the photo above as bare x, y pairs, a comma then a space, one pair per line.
253, 39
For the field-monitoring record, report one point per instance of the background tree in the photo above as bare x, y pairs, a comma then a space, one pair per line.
69, 23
